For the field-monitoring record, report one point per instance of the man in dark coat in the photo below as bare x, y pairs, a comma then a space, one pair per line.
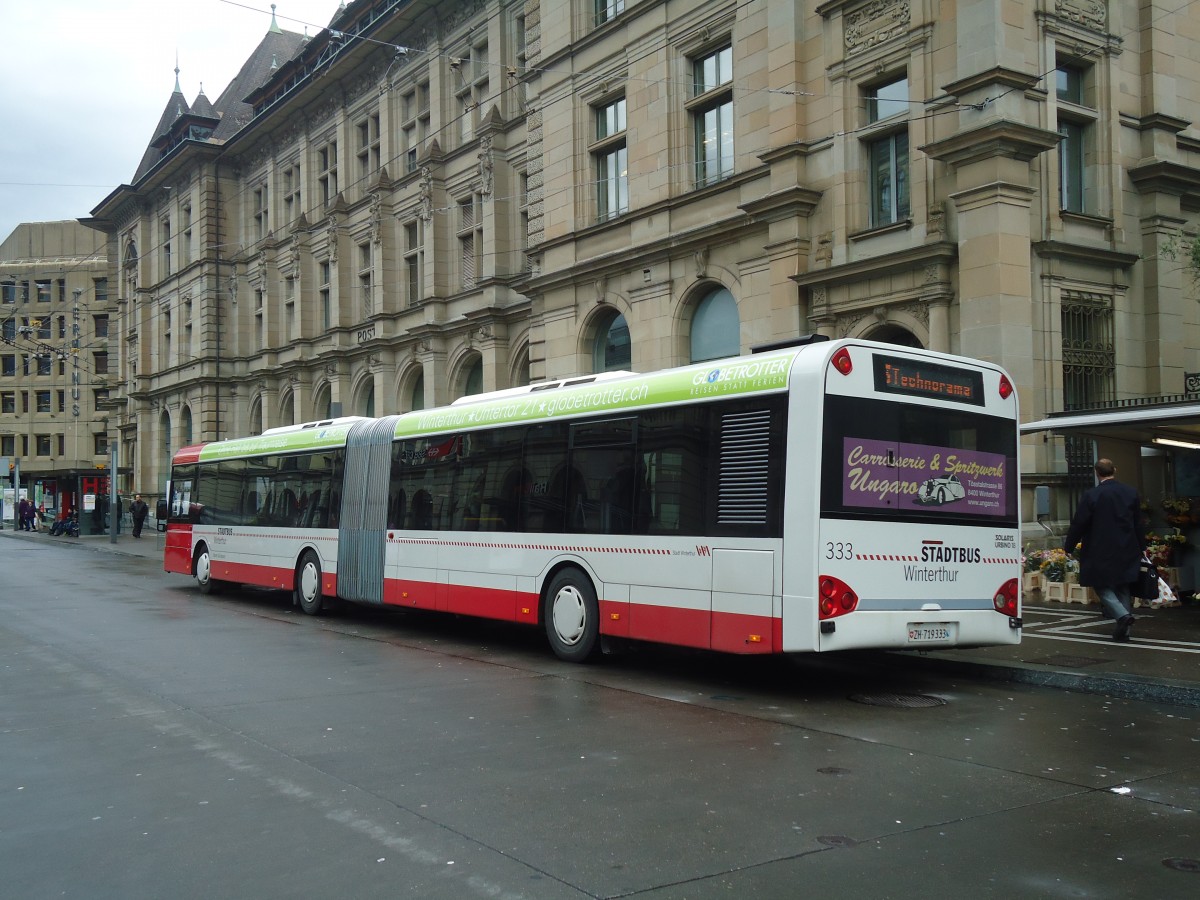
138, 510
1109, 523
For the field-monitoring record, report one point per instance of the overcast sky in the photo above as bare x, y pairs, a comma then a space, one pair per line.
84, 82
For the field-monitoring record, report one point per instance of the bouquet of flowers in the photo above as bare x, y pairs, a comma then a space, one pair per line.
1161, 547
1056, 565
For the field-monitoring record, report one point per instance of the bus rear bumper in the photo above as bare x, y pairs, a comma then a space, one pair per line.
918, 630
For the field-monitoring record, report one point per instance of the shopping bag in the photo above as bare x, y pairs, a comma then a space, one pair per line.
1146, 586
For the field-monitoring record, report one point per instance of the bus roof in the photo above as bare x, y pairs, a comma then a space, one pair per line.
617, 392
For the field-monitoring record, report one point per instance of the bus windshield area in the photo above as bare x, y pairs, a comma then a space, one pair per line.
884, 459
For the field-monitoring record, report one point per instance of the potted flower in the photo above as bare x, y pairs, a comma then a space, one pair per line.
1056, 566
1179, 511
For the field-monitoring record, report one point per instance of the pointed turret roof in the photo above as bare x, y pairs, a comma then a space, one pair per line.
223, 119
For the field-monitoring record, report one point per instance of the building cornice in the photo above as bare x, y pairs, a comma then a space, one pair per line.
1006, 139
939, 253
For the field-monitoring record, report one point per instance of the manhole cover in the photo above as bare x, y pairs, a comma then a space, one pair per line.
899, 701
1070, 662
837, 840
1182, 864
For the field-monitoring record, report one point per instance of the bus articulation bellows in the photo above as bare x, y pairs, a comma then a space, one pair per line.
833, 495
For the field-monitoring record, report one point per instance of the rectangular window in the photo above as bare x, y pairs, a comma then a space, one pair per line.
1076, 121
470, 239
44, 364
100, 363
8, 445
323, 294
185, 232
291, 192
262, 222
887, 152
368, 146
43, 290
42, 399
8, 292
8, 401
45, 327
327, 180
608, 9
472, 80
711, 111
611, 157
8, 364
43, 445
100, 289
100, 323
164, 231
61, 401
366, 298
414, 260
889, 179
99, 444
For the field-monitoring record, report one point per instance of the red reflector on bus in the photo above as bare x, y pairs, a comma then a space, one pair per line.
842, 362
837, 598
1006, 387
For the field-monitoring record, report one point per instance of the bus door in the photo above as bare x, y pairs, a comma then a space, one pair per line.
362, 535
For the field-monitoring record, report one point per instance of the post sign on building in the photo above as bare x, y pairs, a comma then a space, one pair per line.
1191, 384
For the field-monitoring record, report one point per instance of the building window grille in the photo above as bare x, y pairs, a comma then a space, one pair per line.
1089, 351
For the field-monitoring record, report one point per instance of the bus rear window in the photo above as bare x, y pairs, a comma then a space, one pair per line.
922, 463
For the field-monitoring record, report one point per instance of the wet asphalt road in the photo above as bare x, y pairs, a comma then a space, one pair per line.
157, 743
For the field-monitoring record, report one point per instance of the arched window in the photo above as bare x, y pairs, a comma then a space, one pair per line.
185, 425
417, 400
287, 414
612, 350
521, 374
366, 404
164, 424
894, 334
256, 416
473, 384
716, 331
322, 408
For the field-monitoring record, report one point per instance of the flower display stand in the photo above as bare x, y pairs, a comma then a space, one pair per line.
1055, 590
1077, 593
1031, 581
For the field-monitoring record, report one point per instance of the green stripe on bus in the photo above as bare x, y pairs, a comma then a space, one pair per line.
727, 378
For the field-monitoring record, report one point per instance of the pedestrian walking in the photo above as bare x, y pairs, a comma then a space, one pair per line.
1111, 536
138, 510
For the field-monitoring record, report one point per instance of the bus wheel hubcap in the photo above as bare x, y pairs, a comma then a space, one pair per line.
570, 615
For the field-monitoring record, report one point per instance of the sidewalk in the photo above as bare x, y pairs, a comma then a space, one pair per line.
1065, 645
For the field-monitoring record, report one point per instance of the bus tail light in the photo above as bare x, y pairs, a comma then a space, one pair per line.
1006, 387
1005, 600
836, 598
842, 361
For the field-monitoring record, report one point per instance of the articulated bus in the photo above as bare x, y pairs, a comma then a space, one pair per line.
823, 496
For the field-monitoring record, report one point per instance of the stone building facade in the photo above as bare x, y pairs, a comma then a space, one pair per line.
428, 200
55, 381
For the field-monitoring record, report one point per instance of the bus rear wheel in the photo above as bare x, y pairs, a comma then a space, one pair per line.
203, 570
572, 616
308, 584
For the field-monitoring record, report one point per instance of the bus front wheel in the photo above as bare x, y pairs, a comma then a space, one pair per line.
203, 569
308, 584
572, 616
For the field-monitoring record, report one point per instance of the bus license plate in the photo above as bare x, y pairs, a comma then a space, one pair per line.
932, 632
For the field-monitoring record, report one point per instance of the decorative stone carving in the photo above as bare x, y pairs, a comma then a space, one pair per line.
1089, 13
486, 175
700, 257
426, 212
878, 21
